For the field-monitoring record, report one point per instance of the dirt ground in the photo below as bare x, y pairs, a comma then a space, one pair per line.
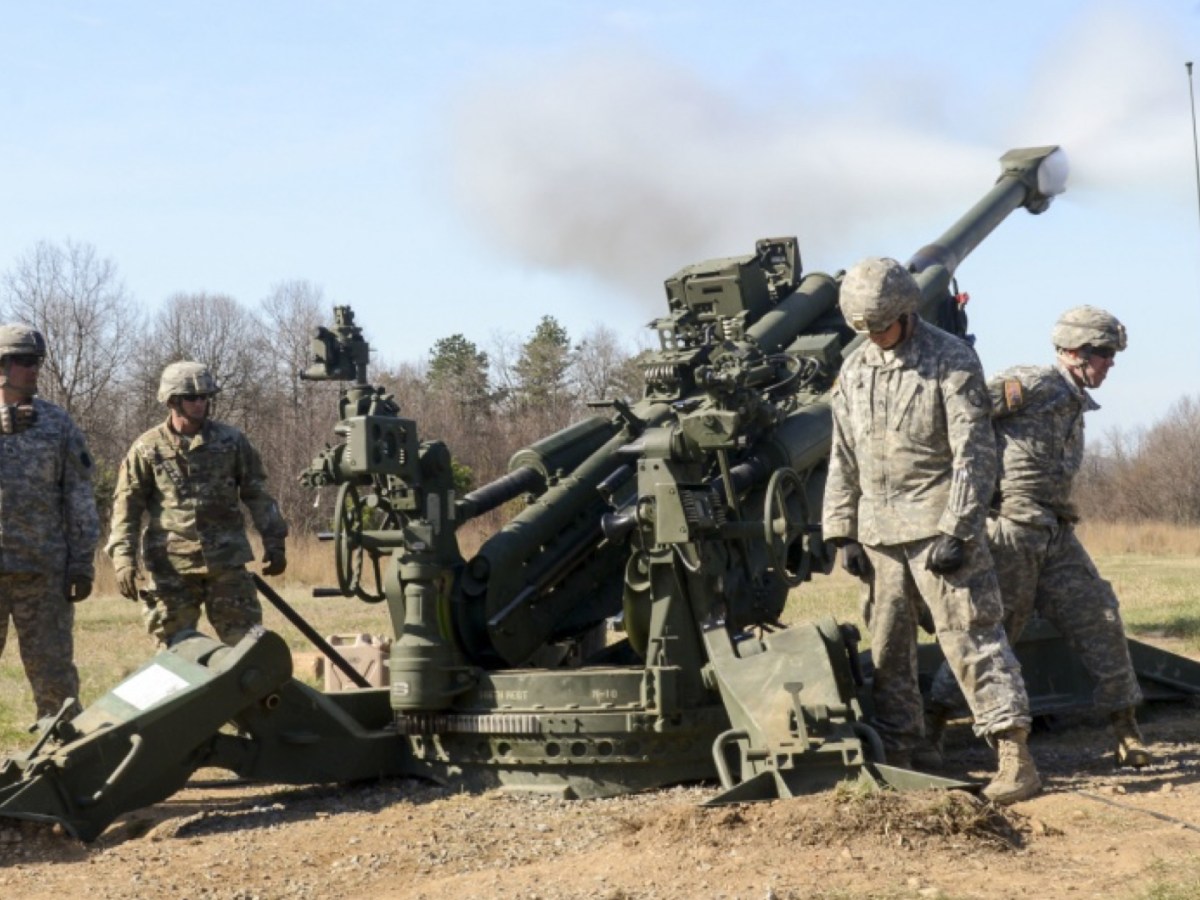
1095, 832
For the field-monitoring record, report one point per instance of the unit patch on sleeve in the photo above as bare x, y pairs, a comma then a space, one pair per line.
1014, 397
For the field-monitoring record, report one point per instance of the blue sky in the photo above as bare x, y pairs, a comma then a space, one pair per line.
468, 166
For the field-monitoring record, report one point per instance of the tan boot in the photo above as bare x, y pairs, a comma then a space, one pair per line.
1016, 778
1130, 749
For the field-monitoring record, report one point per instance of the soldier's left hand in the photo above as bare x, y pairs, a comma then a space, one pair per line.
79, 588
274, 562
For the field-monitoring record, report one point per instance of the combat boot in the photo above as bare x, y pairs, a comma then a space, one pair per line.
1131, 751
1016, 777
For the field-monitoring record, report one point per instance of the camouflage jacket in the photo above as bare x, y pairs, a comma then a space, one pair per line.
48, 520
188, 491
1038, 419
913, 452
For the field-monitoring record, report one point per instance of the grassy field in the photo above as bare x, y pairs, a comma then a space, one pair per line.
1155, 570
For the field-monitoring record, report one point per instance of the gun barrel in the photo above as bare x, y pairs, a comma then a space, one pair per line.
565, 449
1030, 177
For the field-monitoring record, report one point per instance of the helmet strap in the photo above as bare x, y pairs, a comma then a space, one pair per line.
185, 423
1078, 362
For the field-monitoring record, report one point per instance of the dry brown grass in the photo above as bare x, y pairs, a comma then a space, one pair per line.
1143, 538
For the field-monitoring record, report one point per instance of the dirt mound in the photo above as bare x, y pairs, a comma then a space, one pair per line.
917, 820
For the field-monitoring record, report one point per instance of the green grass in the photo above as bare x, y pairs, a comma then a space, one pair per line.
1170, 883
1159, 600
1159, 597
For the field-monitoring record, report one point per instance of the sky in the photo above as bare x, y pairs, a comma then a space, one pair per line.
469, 167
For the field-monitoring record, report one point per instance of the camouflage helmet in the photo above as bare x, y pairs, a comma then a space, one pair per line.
21, 340
186, 378
1088, 326
876, 293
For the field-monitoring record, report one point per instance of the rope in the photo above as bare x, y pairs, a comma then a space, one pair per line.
1149, 812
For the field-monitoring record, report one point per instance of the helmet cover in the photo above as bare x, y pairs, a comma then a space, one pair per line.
21, 340
1088, 326
182, 378
876, 293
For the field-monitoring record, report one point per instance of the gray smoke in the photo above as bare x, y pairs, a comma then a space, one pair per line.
618, 165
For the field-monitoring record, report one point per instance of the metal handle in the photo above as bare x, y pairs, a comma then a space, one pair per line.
135, 747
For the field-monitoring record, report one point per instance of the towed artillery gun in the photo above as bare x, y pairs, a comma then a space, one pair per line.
689, 516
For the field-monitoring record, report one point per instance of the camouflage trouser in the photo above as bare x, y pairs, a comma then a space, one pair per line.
45, 620
966, 612
228, 597
1043, 569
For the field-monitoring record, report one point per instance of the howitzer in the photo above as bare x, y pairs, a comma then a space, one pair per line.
687, 516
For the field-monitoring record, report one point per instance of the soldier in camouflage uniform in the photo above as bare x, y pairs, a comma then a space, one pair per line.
910, 473
48, 522
186, 478
1042, 567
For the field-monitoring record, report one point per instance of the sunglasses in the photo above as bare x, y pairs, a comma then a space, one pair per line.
27, 360
1102, 352
192, 398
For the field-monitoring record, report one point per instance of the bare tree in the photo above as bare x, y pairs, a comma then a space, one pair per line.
92, 328
297, 417
290, 314
216, 330
602, 369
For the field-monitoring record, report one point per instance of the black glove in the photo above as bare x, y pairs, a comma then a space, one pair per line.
947, 555
855, 560
127, 582
79, 588
274, 561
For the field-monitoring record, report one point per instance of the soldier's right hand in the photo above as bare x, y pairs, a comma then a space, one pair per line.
79, 588
127, 582
855, 560
274, 561
946, 555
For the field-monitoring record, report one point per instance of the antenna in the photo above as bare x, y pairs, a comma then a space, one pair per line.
1195, 142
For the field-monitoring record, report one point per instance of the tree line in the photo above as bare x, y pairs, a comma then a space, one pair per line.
1145, 475
106, 352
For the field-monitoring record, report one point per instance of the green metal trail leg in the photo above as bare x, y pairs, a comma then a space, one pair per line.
139, 743
797, 725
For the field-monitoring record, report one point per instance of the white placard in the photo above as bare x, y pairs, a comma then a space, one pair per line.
150, 686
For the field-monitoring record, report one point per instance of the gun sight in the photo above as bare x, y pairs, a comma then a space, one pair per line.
338, 353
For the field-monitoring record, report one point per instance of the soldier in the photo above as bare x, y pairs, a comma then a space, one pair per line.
48, 522
186, 477
1042, 566
910, 473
